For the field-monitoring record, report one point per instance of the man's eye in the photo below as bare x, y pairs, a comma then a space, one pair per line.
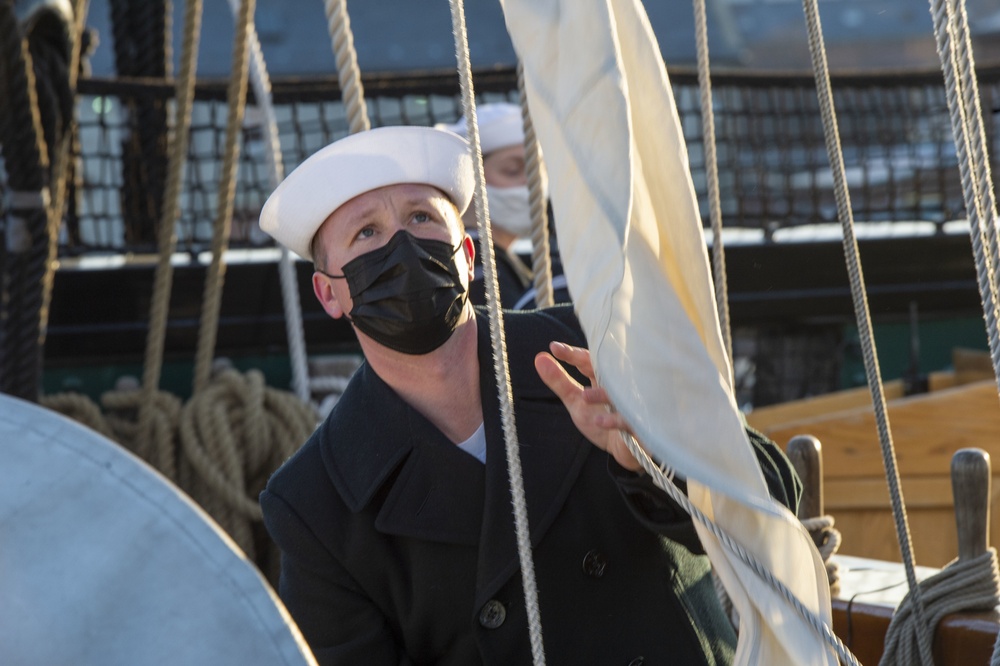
421, 217
367, 232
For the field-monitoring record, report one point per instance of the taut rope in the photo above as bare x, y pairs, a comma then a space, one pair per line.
534, 167
712, 179
817, 50
497, 337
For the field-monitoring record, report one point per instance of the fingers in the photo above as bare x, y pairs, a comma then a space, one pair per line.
556, 378
577, 356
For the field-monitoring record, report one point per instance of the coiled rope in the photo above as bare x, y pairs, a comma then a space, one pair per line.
222, 445
827, 539
962, 586
498, 339
821, 73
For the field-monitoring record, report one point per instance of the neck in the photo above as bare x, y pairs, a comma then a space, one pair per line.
442, 385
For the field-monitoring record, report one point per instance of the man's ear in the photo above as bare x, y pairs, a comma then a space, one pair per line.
323, 288
470, 250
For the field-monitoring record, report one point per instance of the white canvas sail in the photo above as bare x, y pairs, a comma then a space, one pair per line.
631, 240
104, 561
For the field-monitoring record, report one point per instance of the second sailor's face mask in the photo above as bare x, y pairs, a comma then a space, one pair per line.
408, 294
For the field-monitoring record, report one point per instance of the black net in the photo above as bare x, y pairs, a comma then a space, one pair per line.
773, 169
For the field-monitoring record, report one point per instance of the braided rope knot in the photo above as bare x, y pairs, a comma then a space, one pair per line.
961, 586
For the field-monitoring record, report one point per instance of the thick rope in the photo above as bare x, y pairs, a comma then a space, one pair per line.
827, 539
349, 75
215, 277
962, 586
23, 141
534, 168
167, 240
60, 166
712, 177
290, 298
663, 478
497, 337
981, 215
817, 51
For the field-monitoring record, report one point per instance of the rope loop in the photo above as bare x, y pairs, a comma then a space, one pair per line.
962, 586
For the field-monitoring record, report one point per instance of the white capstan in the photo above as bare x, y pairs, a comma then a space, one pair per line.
500, 125
360, 163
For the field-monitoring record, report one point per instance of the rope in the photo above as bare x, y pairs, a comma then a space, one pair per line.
712, 179
212, 299
234, 434
497, 337
23, 142
290, 298
61, 163
827, 539
852, 256
349, 75
962, 586
541, 260
167, 240
981, 214
662, 477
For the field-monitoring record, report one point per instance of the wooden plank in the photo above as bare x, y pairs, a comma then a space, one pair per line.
817, 406
927, 429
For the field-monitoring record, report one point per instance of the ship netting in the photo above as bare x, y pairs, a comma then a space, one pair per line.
773, 170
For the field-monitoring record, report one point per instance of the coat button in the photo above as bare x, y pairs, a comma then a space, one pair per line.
594, 563
492, 614
638, 661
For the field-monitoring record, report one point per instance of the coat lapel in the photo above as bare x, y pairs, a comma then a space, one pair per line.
552, 454
374, 440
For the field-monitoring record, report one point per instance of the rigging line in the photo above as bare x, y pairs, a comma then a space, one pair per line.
663, 478
973, 202
534, 167
348, 72
712, 178
60, 167
212, 299
167, 238
290, 299
967, 129
497, 337
831, 133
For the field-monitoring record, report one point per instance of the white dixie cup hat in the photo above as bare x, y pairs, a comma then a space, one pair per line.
360, 163
500, 125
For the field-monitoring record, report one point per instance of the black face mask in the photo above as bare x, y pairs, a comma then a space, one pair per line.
408, 294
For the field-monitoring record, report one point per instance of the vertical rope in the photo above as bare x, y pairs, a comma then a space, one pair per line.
534, 167
166, 238
212, 301
349, 75
23, 141
497, 337
965, 114
852, 256
712, 176
60, 167
290, 298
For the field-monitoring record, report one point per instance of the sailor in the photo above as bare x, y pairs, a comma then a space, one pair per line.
394, 519
501, 138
